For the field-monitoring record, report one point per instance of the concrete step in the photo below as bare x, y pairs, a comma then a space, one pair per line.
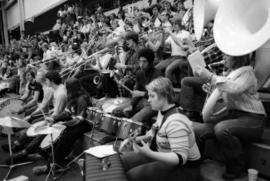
212, 171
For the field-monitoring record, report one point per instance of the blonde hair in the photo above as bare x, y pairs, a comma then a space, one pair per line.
163, 87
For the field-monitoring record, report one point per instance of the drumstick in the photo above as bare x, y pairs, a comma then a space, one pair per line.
122, 85
43, 114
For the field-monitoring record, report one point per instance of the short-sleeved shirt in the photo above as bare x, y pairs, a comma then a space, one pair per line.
177, 50
33, 87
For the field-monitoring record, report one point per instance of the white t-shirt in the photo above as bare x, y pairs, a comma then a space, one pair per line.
177, 50
59, 99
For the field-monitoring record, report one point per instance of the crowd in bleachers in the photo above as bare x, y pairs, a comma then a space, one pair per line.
99, 56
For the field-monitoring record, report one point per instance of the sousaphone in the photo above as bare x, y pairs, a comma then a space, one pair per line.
203, 12
243, 26
240, 28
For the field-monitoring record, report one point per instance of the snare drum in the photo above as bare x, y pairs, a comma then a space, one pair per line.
46, 142
128, 127
109, 124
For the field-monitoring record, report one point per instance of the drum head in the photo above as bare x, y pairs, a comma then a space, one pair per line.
9, 105
31, 130
112, 104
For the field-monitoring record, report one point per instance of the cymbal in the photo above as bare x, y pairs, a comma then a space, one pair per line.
13, 122
45, 130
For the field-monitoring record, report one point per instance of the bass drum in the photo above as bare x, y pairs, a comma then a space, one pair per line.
46, 142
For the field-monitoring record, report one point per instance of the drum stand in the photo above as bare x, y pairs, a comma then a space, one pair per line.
12, 165
53, 165
77, 157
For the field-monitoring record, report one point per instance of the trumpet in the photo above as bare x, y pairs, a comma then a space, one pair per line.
90, 59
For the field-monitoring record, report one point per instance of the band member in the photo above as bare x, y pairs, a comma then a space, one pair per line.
74, 118
130, 66
192, 95
155, 41
46, 103
140, 109
178, 42
53, 80
242, 121
174, 154
32, 95
126, 70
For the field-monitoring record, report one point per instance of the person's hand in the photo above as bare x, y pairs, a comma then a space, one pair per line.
145, 37
125, 145
127, 110
137, 93
120, 66
142, 147
203, 73
167, 30
50, 120
207, 88
27, 118
145, 138
61, 122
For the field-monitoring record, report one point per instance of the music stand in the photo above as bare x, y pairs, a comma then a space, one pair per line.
9, 123
53, 165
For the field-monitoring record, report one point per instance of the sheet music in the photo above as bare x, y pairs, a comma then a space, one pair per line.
101, 151
196, 59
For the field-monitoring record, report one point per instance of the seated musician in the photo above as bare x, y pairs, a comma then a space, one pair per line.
74, 118
33, 94
241, 123
155, 40
173, 154
126, 70
192, 96
140, 110
45, 105
178, 43
27, 145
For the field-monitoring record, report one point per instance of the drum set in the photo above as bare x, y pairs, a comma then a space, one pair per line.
121, 128
9, 120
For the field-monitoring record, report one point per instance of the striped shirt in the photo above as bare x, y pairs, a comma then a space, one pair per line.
176, 135
241, 93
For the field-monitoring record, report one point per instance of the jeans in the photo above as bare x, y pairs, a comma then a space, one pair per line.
171, 64
235, 130
192, 96
139, 167
65, 143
